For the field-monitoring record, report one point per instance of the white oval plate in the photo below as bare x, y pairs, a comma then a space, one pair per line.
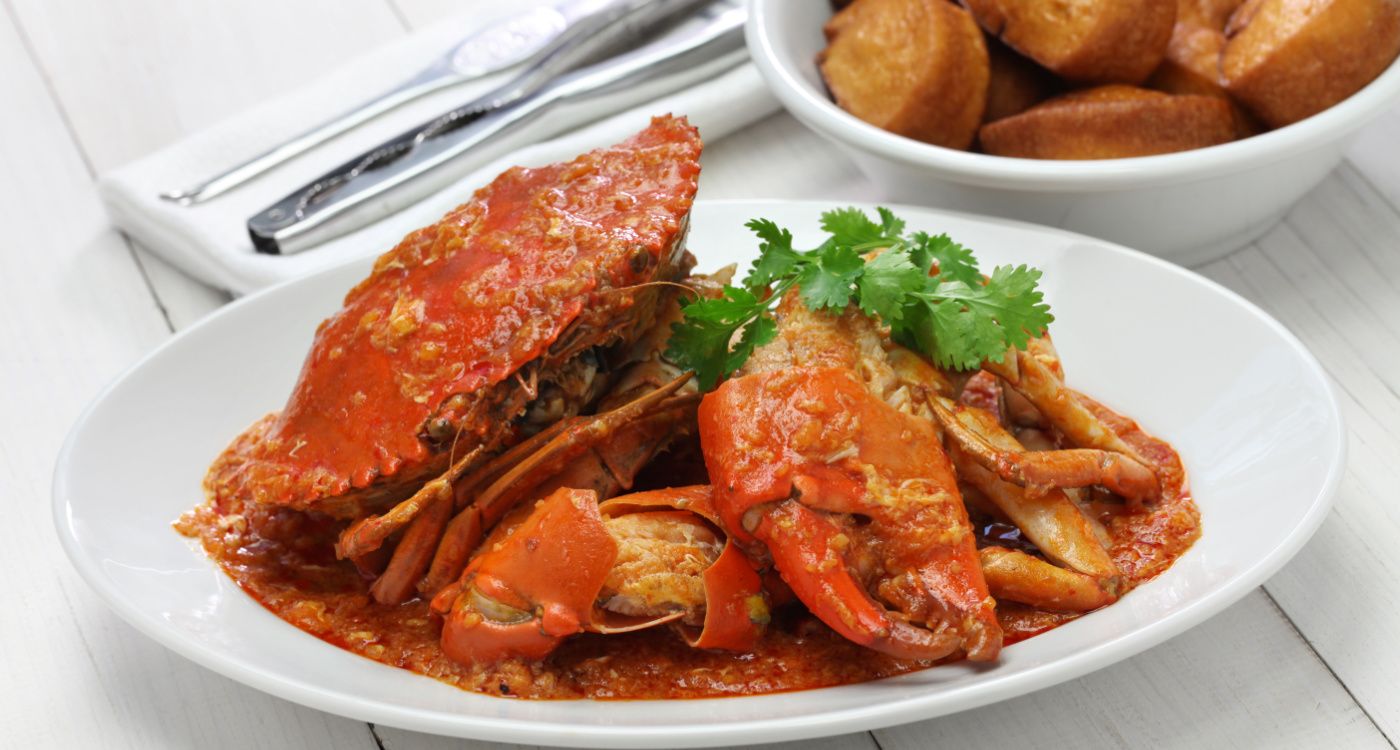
1245, 403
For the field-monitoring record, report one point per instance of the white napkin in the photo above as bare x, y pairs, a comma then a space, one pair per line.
210, 242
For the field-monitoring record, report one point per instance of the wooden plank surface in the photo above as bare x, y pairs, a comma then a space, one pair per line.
130, 77
76, 312
1327, 275
1244, 679
115, 80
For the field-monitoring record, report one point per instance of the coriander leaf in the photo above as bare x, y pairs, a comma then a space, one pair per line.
734, 305
701, 346
770, 233
700, 341
776, 257
890, 225
887, 279
762, 330
1012, 296
772, 265
960, 325
954, 261
826, 282
941, 331
851, 227
956, 317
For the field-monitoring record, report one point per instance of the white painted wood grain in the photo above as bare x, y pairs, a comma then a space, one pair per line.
1244, 679
1375, 154
398, 739
75, 312
134, 76
182, 299
1330, 275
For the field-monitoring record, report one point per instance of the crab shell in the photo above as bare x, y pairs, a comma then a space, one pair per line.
438, 351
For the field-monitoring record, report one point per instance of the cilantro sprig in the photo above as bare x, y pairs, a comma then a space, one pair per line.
928, 289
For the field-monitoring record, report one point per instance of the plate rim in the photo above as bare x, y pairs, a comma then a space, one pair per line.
867, 717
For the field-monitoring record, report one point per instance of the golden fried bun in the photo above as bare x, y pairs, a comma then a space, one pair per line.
1192, 64
918, 68
1015, 85
1111, 122
1092, 41
1212, 14
1290, 59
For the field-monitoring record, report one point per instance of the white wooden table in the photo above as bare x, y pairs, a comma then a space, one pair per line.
1312, 658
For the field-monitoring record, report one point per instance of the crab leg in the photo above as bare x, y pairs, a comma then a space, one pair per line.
1051, 520
369, 533
570, 453
462, 535
979, 435
414, 553
1046, 390
1019, 577
492, 470
562, 442
570, 443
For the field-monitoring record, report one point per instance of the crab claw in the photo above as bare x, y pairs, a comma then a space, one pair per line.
735, 608
572, 566
858, 507
537, 587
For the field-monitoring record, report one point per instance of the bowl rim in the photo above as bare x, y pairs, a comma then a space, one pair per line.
818, 111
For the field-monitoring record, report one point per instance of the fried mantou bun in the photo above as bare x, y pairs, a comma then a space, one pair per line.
1290, 59
918, 68
1111, 122
1089, 41
1192, 64
1016, 84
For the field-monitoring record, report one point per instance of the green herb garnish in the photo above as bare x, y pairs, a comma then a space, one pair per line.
927, 289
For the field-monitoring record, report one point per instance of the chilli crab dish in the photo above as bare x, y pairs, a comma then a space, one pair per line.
535, 455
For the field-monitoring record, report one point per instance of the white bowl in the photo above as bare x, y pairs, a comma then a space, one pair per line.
1190, 207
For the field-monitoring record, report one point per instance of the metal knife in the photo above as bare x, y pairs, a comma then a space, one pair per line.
522, 38
425, 159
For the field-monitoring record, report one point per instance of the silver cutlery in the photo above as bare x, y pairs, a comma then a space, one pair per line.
415, 164
525, 37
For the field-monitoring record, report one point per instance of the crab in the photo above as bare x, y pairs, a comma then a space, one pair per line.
505, 317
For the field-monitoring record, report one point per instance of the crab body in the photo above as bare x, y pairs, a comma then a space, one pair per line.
509, 304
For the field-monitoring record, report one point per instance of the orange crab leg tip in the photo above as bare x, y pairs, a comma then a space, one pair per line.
1121, 474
